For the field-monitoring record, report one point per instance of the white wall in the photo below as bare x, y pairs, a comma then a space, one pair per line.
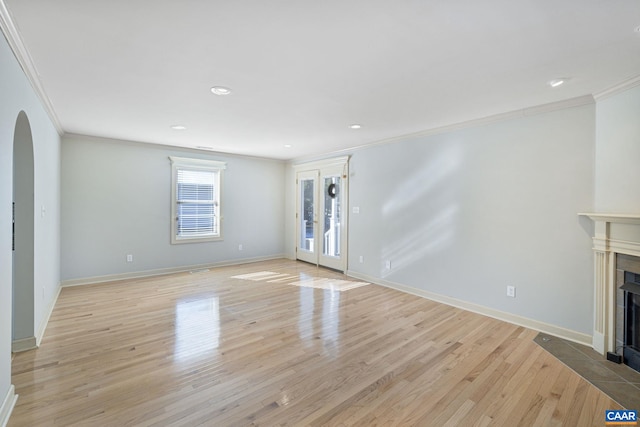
618, 153
17, 95
116, 201
465, 213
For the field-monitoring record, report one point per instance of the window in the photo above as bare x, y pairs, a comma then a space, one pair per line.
195, 192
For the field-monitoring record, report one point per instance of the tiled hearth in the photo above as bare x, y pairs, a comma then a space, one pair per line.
619, 382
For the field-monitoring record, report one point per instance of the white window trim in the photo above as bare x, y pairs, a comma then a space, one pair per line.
195, 164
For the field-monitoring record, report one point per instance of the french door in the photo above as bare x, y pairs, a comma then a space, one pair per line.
321, 221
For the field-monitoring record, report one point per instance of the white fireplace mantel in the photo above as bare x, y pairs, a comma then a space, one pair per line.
613, 234
619, 218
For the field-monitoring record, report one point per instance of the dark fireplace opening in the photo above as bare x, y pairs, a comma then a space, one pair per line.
631, 349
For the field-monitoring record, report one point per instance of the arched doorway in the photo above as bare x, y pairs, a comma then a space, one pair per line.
23, 319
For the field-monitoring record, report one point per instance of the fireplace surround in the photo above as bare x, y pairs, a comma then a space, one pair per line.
628, 309
615, 236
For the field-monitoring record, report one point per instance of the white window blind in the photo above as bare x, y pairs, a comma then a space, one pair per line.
196, 200
196, 203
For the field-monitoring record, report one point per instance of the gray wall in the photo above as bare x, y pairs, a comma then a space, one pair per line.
17, 95
618, 153
465, 213
116, 200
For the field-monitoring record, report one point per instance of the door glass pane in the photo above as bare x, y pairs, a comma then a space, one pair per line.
307, 211
332, 214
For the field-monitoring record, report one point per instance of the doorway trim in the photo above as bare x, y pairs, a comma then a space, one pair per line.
23, 256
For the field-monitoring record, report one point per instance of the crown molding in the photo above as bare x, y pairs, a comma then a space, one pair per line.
500, 117
620, 87
12, 35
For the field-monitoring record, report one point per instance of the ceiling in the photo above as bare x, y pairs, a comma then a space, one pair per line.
302, 71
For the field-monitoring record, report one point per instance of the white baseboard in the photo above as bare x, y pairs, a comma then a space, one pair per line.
45, 320
536, 325
24, 344
7, 406
31, 343
161, 271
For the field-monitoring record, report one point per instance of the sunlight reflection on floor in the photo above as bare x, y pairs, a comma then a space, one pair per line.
197, 328
311, 282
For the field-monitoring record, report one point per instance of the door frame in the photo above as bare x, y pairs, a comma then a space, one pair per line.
320, 166
302, 253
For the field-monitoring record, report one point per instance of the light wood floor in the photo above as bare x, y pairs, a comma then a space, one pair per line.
209, 349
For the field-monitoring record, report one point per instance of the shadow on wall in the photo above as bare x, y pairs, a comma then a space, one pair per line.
432, 215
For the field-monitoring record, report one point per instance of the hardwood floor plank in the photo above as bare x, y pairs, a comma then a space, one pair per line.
241, 346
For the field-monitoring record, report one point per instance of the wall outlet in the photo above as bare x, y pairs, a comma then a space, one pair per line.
361, 259
356, 209
511, 291
240, 247
388, 264
129, 258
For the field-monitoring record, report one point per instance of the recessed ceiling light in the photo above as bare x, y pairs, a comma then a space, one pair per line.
202, 147
558, 82
355, 126
287, 145
220, 90
178, 127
